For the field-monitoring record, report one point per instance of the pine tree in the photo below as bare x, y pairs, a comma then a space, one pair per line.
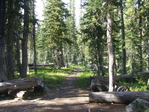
71, 50
55, 28
92, 29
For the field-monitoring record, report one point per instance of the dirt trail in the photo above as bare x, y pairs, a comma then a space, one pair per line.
67, 98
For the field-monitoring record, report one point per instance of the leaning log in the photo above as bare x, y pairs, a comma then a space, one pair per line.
21, 84
118, 97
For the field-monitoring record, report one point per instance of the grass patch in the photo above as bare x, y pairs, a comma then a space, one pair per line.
84, 79
77, 66
52, 77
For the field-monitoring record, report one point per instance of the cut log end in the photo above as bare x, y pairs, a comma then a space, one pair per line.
22, 95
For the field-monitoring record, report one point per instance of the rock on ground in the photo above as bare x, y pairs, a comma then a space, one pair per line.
139, 105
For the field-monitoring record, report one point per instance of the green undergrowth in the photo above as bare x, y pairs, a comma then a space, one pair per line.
52, 77
140, 84
84, 79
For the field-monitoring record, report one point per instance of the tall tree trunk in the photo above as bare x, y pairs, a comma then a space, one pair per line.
10, 40
17, 35
18, 53
147, 46
110, 51
61, 57
25, 39
123, 40
140, 37
82, 54
34, 37
100, 58
2, 37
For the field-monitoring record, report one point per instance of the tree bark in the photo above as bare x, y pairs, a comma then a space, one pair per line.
110, 51
2, 37
117, 97
18, 53
25, 39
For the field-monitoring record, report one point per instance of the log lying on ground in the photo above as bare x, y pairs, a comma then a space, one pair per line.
123, 77
21, 84
117, 97
130, 76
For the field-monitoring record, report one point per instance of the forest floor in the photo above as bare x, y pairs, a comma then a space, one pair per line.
66, 98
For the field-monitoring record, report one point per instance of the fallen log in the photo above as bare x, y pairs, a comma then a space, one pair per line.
125, 77
130, 76
21, 84
117, 97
